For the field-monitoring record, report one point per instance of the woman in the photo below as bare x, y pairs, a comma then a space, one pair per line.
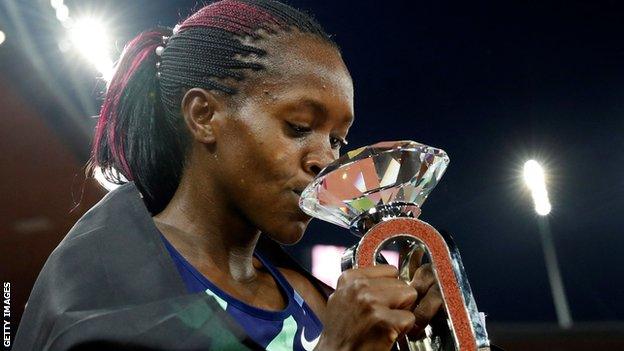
218, 126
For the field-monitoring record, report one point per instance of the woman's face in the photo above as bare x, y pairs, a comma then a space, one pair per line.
290, 123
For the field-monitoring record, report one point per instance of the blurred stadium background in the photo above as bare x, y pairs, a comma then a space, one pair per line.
492, 83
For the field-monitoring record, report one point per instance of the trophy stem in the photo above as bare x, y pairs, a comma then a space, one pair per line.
366, 220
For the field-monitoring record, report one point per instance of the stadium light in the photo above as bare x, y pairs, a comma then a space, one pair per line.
62, 13
88, 36
535, 181
56, 3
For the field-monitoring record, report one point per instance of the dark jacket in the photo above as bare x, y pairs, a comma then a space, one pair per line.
111, 285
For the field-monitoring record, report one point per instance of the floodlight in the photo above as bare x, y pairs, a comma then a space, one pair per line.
88, 36
535, 181
56, 3
62, 13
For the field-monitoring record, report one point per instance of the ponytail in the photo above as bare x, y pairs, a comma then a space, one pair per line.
134, 138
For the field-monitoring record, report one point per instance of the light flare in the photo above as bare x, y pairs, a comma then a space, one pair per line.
62, 13
89, 37
56, 3
99, 177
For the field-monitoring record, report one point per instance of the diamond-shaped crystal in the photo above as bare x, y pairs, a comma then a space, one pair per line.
387, 174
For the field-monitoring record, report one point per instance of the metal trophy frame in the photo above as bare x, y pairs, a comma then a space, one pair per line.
377, 191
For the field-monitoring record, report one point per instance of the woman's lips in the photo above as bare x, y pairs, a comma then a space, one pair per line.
297, 194
304, 215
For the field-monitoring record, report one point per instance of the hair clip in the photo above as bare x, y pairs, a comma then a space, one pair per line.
159, 50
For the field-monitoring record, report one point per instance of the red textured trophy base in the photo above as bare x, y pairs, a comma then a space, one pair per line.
442, 263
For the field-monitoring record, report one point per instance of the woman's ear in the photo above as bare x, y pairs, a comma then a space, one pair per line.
198, 108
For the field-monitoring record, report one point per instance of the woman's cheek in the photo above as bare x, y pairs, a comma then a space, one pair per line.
284, 165
286, 155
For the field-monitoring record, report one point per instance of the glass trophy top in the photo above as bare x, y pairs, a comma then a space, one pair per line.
391, 174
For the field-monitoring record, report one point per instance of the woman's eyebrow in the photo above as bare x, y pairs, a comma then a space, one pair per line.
318, 108
306, 102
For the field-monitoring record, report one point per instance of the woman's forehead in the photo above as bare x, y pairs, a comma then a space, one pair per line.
301, 66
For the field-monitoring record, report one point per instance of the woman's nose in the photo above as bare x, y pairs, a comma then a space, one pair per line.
314, 163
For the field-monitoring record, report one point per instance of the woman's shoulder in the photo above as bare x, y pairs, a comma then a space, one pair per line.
313, 291
306, 289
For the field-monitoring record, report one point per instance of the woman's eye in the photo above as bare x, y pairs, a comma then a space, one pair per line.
299, 129
337, 143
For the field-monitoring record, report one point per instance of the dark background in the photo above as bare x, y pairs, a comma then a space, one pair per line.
493, 83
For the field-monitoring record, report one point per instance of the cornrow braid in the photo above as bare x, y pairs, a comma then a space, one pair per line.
195, 57
140, 135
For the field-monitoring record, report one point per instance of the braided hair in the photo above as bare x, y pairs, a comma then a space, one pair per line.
140, 135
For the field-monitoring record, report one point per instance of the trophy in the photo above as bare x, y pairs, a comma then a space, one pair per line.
376, 192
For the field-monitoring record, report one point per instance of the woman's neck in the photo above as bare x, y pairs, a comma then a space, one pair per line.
208, 233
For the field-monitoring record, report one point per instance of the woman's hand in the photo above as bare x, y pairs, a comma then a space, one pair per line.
429, 301
370, 309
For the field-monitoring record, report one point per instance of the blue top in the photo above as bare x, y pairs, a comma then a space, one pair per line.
295, 327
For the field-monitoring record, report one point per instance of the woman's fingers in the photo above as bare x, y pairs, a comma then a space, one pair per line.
379, 271
399, 321
415, 259
385, 291
423, 279
394, 293
430, 304
429, 297
369, 309
395, 299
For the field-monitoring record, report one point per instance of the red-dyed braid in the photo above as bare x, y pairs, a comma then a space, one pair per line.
137, 50
232, 16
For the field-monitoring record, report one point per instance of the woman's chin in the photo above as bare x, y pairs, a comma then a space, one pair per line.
291, 233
